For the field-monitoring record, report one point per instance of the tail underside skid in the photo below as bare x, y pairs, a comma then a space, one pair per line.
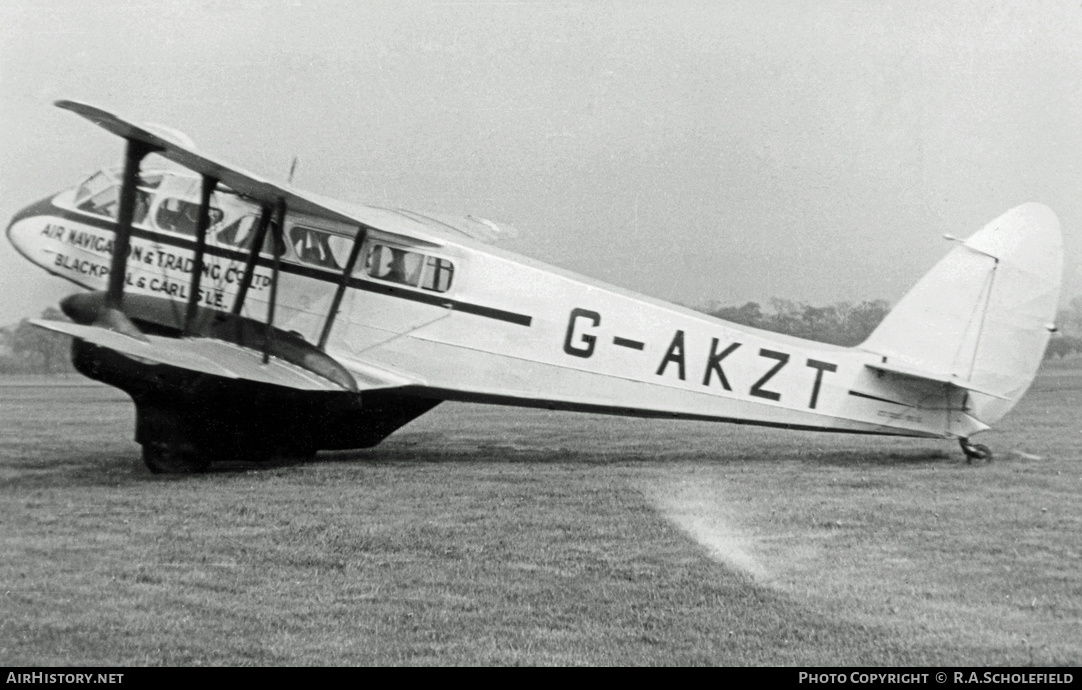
980, 320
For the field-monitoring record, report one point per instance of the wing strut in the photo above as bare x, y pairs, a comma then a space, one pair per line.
249, 267
279, 248
203, 222
134, 155
358, 240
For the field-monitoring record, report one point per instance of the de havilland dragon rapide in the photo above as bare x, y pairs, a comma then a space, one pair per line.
249, 319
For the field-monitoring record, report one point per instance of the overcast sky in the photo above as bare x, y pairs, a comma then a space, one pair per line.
692, 151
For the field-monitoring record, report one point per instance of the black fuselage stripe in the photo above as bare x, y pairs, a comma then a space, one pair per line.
627, 342
872, 397
434, 299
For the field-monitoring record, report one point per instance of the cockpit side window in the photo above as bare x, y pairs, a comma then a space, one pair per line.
407, 267
104, 203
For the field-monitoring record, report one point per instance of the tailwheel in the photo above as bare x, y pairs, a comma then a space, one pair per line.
174, 458
975, 451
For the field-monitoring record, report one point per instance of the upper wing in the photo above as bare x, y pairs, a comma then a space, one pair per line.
470, 226
424, 228
235, 178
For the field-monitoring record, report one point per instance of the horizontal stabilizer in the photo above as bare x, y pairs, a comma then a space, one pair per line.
214, 357
946, 379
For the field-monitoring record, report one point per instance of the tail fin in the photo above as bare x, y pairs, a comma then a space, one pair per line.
983, 315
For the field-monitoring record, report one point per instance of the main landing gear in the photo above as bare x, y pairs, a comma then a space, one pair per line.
975, 451
174, 458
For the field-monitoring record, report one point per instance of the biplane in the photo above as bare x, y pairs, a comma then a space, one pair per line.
249, 319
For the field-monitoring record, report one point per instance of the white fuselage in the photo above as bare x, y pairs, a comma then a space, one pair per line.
478, 323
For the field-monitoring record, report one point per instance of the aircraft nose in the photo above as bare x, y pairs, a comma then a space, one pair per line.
25, 229
19, 235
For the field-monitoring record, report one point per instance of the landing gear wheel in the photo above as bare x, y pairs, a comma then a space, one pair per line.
975, 451
169, 458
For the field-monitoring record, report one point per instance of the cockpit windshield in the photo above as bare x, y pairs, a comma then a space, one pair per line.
99, 194
95, 185
169, 201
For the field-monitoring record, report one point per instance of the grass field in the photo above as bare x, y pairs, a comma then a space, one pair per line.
485, 535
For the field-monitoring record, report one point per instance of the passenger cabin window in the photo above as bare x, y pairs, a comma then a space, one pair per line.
177, 215
407, 267
241, 233
320, 248
437, 275
151, 180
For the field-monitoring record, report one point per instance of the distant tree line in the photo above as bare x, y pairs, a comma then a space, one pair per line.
26, 349
842, 323
849, 324
1067, 341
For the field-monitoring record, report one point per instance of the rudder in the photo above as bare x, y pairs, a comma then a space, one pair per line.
983, 315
